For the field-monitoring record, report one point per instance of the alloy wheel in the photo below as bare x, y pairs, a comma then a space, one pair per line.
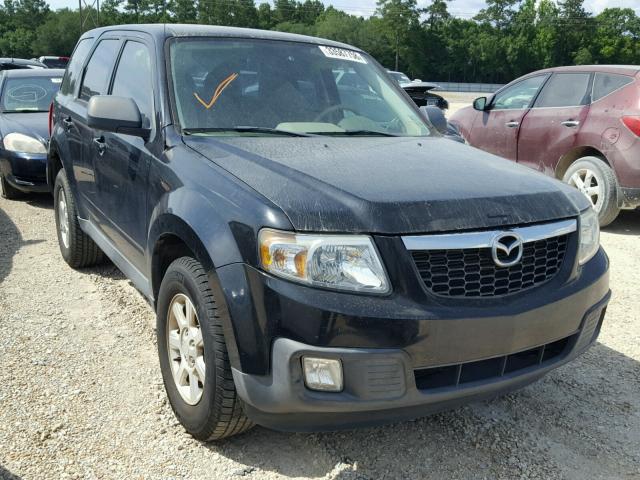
587, 182
63, 218
186, 349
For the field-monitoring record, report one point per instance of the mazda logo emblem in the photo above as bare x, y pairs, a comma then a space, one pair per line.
506, 249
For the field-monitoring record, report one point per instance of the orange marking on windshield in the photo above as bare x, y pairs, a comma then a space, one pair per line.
223, 84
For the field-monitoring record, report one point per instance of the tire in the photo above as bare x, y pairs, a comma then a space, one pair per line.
7, 190
212, 410
76, 247
600, 178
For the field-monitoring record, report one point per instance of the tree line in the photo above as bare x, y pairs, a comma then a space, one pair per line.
504, 40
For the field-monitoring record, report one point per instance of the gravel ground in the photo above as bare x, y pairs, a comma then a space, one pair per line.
81, 394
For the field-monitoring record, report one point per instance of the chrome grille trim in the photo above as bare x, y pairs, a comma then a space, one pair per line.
483, 239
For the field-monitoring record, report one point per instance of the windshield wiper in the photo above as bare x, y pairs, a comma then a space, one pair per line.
359, 133
243, 129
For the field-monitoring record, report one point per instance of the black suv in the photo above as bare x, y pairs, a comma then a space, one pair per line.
318, 257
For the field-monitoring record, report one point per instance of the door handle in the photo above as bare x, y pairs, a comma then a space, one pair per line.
570, 123
100, 144
67, 123
512, 124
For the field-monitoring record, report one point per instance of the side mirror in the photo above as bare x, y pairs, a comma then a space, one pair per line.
417, 80
115, 114
480, 104
436, 117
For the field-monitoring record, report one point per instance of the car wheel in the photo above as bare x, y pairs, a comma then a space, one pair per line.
77, 248
597, 181
193, 355
7, 191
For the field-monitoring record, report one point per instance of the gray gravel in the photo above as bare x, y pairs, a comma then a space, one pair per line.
81, 394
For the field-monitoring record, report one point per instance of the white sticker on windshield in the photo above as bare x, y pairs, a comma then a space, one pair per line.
342, 54
56, 80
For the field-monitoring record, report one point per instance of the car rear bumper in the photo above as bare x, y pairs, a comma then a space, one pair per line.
630, 197
24, 171
418, 366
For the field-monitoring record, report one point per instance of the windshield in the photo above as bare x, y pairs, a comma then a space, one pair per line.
60, 62
28, 94
260, 87
400, 77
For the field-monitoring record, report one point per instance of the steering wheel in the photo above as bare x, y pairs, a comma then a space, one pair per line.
333, 108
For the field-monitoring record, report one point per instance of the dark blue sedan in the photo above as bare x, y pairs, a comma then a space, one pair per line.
25, 96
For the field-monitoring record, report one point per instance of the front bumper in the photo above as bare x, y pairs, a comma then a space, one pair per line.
24, 171
382, 385
403, 355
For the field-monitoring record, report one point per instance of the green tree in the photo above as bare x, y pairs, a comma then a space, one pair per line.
58, 35
183, 11
617, 37
111, 12
498, 13
16, 43
266, 19
309, 11
285, 11
437, 13
399, 17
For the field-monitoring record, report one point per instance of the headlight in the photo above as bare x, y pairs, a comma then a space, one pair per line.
589, 235
343, 262
17, 142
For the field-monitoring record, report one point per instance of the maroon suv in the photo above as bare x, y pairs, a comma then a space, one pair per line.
579, 124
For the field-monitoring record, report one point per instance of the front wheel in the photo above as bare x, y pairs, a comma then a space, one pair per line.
597, 181
193, 356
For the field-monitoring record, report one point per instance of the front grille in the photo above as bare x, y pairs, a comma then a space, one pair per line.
492, 368
471, 272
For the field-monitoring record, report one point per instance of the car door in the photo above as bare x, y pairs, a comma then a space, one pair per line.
123, 160
95, 81
69, 112
551, 127
496, 129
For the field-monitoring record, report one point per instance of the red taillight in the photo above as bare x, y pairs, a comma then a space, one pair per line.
632, 122
50, 119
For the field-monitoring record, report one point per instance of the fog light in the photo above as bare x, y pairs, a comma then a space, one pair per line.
322, 374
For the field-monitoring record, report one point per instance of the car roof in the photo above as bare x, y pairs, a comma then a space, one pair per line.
162, 31
20, 61
622, 69
33, 72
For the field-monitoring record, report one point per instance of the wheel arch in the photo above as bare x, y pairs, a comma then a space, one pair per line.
575, 154
174, 238
171, 238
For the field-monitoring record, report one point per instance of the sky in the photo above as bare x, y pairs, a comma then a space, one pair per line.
459, 8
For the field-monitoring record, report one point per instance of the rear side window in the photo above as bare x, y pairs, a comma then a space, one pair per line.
133, 78
98, 71
605, 83
73, 73
565, 90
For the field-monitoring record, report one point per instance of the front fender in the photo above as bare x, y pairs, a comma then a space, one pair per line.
218, 218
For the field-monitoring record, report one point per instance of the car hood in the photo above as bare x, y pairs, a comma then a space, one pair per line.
389, 185
34, 124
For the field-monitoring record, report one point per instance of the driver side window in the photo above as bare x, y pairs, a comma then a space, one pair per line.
520, 95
